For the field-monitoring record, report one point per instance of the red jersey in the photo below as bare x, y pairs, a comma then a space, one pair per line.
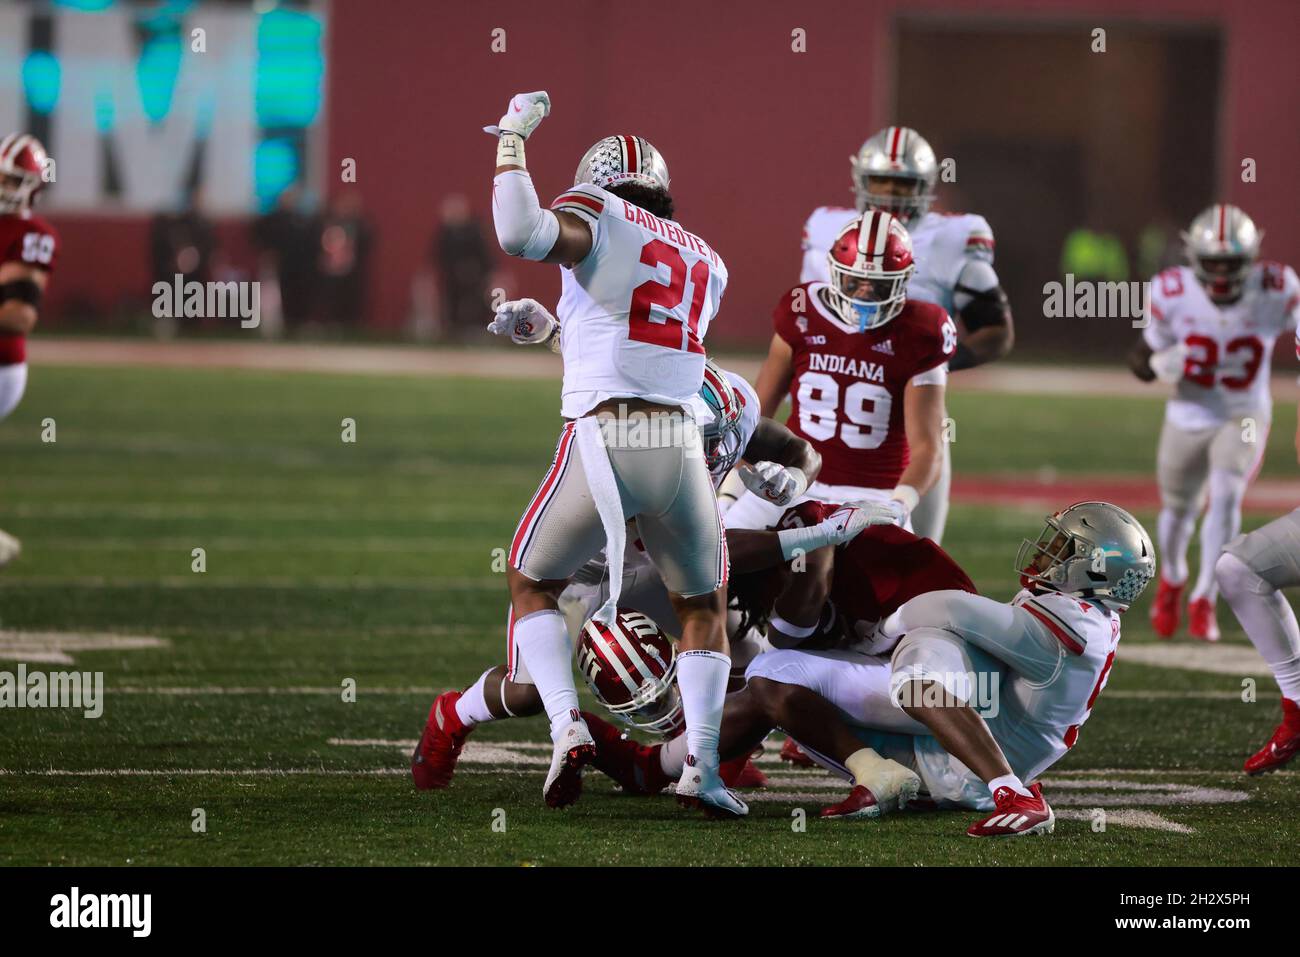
882, 568
27, 239
847, 389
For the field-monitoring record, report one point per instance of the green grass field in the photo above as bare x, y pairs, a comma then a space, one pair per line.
373, 561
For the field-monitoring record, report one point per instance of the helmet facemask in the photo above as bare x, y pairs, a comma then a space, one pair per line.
871, 308
722, 435
1222, 276
1045, 560
17, 190
907, 208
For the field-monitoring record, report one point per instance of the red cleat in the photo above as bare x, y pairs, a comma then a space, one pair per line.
434, 760
1282, 747
790, 751
860, 803
1017, 815
742, 773
634, 767
1201, 623
1165, 609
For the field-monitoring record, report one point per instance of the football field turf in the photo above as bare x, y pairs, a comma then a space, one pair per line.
374, 562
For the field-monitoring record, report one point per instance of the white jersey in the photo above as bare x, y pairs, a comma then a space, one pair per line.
1037, 722
942, 245
635, 311
1229, 347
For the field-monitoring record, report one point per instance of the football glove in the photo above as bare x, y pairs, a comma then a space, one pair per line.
525, 111
841, 526
525, 321
1168, 364
773, 482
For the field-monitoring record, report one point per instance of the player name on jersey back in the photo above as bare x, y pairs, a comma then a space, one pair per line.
635, 311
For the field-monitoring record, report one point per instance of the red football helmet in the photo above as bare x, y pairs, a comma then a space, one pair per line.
871, 262
630, 667
22, 165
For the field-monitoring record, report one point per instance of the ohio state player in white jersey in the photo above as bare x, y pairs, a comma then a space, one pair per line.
1211, 329
895, 172
977, 698
639, 294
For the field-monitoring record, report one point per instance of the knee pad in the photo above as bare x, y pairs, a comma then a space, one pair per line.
783, 666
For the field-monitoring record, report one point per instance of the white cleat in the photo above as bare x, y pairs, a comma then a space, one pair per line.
574, 750
701, 787
893, 785
10, 548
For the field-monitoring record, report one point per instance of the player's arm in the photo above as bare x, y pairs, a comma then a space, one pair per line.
774, 377
523, 227
980, 302
1139, 361
1158, 354
753, 550
21, 290
923, 412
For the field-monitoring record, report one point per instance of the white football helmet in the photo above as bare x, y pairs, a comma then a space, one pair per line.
1221, 245
896, 152
721, 436
623, 159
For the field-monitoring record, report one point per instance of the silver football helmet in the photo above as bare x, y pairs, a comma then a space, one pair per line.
1091, 550
623, 159
722, 435
1221, 245
896, 152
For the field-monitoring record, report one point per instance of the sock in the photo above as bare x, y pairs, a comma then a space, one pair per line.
1174, 529
547, 650
702, 682
1009, 781
1221, 524
1266, 617
472, 707
672, 756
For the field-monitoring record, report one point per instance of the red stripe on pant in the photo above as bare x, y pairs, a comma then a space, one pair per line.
544, 492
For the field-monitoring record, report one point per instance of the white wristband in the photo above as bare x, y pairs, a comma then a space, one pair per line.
907, 495
510, 149
794, 631
800, 541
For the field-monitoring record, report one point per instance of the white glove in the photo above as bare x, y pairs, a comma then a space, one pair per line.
525, 321
1168, 364
841, 526
777, 484
525, 111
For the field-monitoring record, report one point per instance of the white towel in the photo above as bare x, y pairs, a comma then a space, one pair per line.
609, 506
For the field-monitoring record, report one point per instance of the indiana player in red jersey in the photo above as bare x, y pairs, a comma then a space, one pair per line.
865, 368
28, 247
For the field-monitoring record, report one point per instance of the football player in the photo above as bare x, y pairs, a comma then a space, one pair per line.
1251, 573
639, 293
1210, 332
865, 368
895, 726
895, 172
28, 249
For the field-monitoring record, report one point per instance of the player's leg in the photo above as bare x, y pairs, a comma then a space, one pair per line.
1251, 573
13, 383
936, 680
680, 525
1182, 466
1235, 454
821, 698
931, 513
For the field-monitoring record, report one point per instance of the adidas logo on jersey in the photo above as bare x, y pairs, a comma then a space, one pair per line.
887, 347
